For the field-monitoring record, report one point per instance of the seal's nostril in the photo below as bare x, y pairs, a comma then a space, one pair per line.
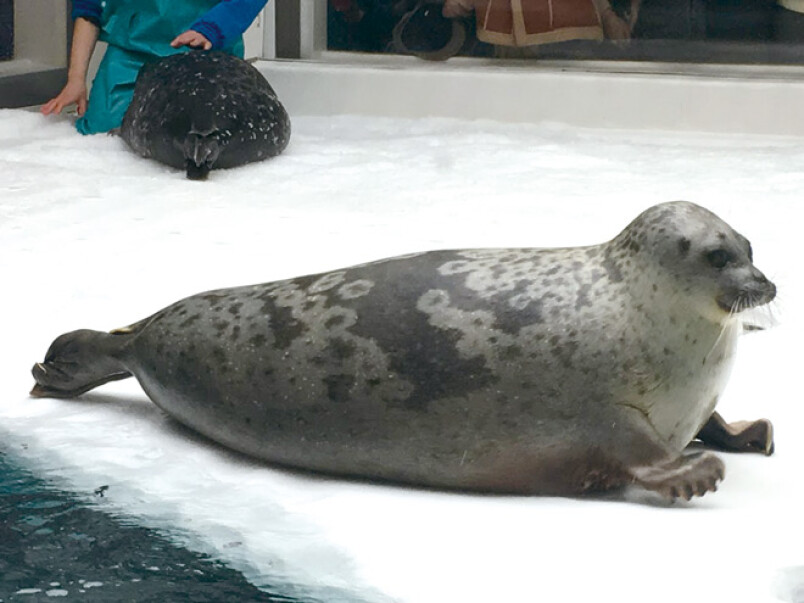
762, 280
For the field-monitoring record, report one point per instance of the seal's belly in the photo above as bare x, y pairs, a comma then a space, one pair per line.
678, 412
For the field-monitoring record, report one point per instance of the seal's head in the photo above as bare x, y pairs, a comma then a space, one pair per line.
698, 257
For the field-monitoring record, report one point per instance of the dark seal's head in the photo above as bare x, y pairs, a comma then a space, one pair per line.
696, 256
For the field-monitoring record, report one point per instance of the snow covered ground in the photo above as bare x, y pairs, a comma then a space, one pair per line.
92, 236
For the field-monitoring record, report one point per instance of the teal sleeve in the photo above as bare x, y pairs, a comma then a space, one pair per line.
88, 9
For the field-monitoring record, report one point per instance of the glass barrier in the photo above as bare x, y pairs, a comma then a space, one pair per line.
719, 31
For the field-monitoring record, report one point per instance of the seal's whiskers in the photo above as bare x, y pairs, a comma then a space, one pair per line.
760, 318
725, 325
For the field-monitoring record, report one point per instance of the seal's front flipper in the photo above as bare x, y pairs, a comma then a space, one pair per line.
78, 362
683, 476
654, 465
741, 436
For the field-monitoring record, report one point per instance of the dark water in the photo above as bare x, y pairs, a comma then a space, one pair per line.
55, 548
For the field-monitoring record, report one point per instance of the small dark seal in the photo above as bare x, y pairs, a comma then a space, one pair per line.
199, 111
546, 371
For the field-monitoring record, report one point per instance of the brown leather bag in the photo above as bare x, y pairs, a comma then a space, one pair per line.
529, 22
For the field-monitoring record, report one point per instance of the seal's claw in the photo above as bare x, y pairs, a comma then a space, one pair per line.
682, 477
38, 392
767, 436
688, 492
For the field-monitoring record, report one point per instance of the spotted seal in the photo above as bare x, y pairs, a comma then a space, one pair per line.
202, 110
546, 371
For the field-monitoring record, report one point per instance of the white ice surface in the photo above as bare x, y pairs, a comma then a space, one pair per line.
92, 236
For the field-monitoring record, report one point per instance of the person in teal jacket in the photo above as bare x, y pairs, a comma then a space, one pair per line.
139, 31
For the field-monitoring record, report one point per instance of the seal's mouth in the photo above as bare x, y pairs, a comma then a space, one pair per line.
734, 302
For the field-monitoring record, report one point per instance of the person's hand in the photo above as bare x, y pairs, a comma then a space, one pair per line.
457, 8
73, 92
193, 39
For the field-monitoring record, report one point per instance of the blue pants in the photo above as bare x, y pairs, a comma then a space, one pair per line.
111, 91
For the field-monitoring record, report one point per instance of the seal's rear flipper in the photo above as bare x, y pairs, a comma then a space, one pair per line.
742, 436
196, 172
78, 362
201, 151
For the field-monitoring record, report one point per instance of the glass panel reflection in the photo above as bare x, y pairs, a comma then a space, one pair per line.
732, 31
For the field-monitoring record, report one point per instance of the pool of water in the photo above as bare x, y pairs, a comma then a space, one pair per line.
53, 545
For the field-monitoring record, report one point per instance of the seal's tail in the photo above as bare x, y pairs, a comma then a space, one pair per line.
201, 150
78, 362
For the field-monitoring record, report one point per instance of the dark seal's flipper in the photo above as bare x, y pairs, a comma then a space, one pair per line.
741, 436
78, 362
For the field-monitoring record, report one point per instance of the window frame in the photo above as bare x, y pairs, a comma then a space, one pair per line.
38, 67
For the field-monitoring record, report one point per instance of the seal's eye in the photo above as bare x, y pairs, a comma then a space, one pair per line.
718, 258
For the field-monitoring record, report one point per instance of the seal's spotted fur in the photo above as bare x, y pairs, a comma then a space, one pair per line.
554, 371
204, 110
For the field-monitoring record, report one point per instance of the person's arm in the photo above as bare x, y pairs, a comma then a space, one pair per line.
85, 36
221, 25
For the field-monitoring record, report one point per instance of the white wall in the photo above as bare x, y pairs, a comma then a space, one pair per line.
40, 31
763, 101
259, 39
